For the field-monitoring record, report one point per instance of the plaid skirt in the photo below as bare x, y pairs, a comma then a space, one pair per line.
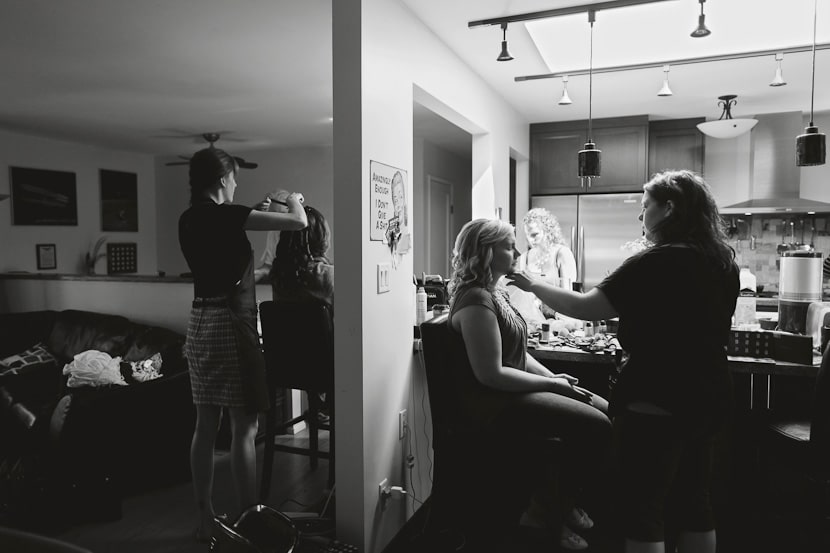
213, 357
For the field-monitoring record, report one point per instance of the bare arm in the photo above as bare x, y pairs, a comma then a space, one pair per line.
294, 219
567, 263
592, 305
480, 330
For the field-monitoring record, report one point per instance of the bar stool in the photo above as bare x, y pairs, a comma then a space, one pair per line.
298, 343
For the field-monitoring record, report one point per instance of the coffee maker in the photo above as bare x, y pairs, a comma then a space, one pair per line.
799, 286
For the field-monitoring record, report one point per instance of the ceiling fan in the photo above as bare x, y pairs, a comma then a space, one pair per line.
211, 138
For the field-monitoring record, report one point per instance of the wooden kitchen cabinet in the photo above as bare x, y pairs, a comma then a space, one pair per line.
675, 144
554, 148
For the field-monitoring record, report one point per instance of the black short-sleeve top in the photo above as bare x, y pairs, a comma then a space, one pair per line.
675, 308
214, 242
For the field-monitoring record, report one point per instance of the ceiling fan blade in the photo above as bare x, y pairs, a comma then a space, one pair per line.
178, 163
245, 164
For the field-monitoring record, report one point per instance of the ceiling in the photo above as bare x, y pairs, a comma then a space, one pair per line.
151, 76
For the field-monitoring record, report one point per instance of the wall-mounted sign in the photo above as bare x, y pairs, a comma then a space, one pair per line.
389, 214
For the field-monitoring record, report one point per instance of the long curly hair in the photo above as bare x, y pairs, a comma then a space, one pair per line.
694, 219
547, 222
298, 248
473, 253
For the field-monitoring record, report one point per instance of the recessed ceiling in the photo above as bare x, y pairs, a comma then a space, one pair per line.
152, 76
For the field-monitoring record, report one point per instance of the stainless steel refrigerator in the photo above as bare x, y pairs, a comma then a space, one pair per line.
599, 228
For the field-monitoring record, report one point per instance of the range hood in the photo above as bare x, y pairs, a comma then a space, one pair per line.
775, 183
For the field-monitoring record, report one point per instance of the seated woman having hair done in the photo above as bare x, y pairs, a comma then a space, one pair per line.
528, 395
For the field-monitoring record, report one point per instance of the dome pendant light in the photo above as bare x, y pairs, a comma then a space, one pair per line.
701, 30
590, 162
726, 127
565, 100
504, 55
811, 147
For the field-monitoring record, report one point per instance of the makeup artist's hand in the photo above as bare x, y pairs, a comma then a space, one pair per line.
520, 279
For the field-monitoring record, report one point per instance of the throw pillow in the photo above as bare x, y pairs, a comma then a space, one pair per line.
35, 355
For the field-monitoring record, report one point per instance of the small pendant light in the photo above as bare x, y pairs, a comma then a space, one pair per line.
504, 55
590, 162
778, 80
565, 100
811, 147
665, 91
701, 30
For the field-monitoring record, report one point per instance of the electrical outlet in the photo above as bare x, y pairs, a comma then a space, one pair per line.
383, 278
402, 424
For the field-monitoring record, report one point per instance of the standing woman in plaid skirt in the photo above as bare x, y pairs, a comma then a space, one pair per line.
227, 370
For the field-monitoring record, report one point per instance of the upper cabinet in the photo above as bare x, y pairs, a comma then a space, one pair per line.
675, 144
554, 151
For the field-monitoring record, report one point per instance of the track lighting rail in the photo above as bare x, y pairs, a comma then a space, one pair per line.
686, 61
570, 10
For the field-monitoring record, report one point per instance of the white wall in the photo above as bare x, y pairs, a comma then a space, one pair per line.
17, 243
380, 45
302, 169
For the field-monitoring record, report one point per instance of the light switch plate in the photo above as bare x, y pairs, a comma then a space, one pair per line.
383, 277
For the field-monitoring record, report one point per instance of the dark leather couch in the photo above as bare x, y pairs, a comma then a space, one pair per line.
91, 444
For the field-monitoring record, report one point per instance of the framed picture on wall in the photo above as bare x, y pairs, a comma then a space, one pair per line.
43, 197
119, 201
46, 257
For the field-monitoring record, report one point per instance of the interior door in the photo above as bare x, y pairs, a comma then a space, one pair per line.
439, 226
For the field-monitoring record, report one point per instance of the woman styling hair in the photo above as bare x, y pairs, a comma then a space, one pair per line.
674, 392
222, 345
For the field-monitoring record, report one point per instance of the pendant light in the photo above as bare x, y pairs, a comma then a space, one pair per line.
778, 80
701, 30
505, 55
726, 127
590, 162
811, 147
565, 100
665, 91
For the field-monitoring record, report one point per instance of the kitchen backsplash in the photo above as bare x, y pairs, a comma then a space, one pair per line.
768, 233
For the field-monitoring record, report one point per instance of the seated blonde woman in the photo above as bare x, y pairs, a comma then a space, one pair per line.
515, 390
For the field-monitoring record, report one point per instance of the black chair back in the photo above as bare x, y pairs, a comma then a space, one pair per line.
298, 342
820, 419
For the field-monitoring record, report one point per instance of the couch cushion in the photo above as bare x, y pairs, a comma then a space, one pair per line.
77, 331
21, 362
149, 340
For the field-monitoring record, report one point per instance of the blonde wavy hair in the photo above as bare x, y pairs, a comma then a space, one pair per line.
547, 222
473, 253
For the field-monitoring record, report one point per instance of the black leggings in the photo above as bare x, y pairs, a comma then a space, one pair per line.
660, 466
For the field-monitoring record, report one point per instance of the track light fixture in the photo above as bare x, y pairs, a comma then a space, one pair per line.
665, 91
590, 160
505, 55
701, 30
565, 99
811, 147
778, 80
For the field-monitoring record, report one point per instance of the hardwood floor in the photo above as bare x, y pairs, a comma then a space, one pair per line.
164, 520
